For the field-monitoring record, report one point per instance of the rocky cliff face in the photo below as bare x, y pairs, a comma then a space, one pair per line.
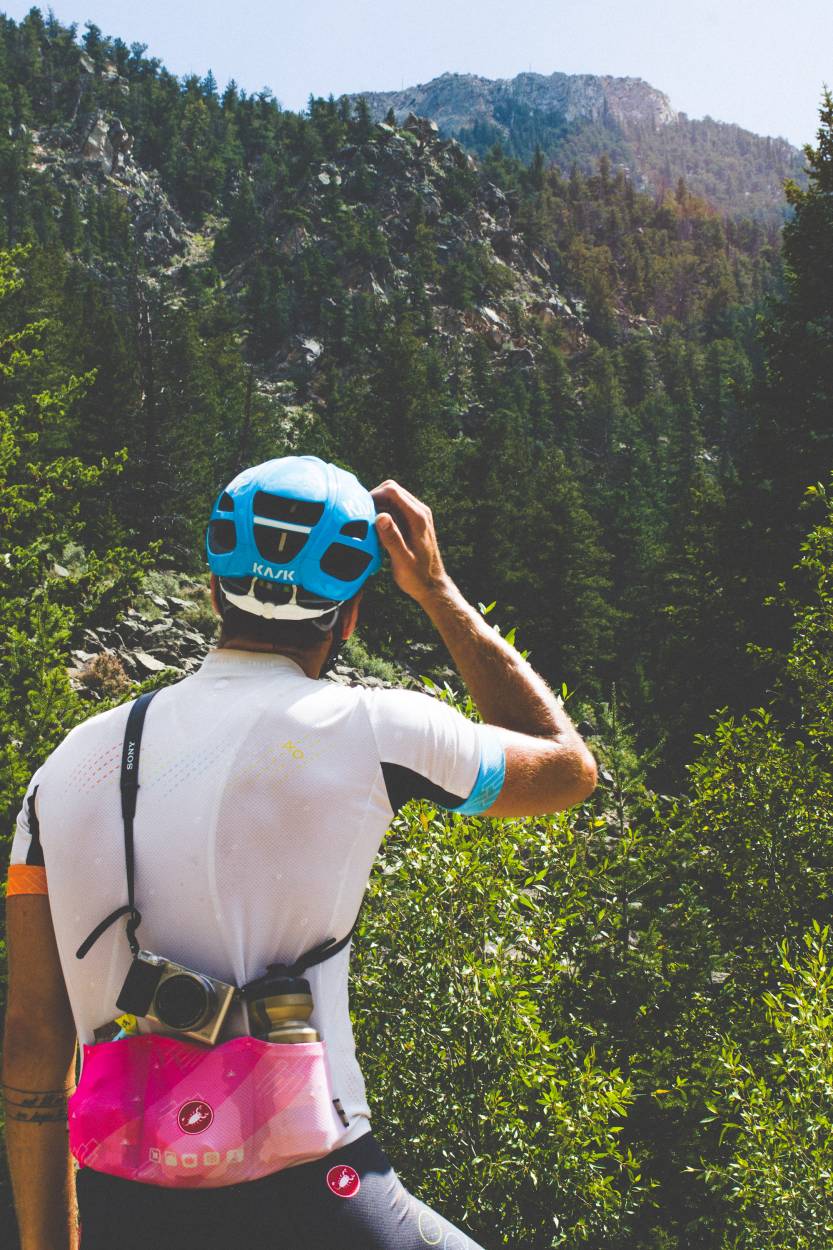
454, 101
93, 154
575, 118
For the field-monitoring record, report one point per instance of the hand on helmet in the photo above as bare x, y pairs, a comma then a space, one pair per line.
405, 527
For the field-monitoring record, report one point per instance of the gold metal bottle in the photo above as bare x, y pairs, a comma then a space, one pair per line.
281, 1012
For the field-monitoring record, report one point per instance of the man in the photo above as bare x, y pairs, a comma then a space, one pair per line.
264, 795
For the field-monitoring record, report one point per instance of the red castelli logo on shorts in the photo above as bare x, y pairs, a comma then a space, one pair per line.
195, 1116
343, 1180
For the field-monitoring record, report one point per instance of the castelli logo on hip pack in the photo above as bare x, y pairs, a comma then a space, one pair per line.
195, 1116
343, 1181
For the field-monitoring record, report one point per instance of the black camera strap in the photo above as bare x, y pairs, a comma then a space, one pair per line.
317, 955
129, 790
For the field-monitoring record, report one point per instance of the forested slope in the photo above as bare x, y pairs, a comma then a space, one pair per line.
575, 119
614, 404
564, 367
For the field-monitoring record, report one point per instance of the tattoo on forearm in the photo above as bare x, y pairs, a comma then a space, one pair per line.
36, 1106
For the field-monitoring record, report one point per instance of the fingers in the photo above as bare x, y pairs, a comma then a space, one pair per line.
405, 526
390, 535
416, 514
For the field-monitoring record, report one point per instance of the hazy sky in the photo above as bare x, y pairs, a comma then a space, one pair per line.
760, 63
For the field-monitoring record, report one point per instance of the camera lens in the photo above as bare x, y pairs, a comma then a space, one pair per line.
184, 1001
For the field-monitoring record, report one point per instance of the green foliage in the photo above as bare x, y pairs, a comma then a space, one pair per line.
324, 278
356, 654
509, 1122
776, 1115
42, 604
736, 171
792, 444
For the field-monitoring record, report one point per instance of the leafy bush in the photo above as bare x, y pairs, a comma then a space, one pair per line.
779, 1117
356, 654
494, 1111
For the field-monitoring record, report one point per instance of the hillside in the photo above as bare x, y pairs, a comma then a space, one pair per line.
575, 119
562, 366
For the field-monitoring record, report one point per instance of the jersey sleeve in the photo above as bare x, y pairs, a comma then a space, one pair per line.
429, 750
27, 874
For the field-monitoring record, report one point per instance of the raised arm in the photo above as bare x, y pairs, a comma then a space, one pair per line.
548, 766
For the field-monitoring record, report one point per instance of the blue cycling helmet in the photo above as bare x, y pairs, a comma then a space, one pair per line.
293, 538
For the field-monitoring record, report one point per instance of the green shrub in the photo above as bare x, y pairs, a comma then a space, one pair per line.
778, 1117
480, 1087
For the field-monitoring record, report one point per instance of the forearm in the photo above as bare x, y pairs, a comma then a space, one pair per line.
547, 766
35, 1089
505, 688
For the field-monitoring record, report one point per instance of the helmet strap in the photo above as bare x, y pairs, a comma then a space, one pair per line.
335, 648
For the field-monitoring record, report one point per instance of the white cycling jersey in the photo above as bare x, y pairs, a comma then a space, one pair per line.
264, 796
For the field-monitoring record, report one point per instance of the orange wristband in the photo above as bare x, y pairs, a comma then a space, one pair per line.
26, 879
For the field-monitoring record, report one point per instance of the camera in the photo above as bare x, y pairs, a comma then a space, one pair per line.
175, 998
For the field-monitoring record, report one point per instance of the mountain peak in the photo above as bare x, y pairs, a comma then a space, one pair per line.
453, 100
574, 119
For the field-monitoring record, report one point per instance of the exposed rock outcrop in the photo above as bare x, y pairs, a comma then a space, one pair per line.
454, 101
96, 152
575, 118
172, 634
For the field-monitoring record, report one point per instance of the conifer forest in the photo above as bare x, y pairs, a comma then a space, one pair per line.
610, 1028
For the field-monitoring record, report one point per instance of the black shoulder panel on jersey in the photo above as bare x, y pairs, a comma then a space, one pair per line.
403, 784
35, 852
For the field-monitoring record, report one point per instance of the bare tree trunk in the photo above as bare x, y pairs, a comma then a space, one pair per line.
150, 405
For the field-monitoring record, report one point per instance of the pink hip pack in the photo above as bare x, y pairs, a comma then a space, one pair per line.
154, 1109
170, 1112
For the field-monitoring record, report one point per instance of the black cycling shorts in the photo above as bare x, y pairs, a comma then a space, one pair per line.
350, 1200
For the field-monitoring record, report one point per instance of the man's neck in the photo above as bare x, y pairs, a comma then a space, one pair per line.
311, 661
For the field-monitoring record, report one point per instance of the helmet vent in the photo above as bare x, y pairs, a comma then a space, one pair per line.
222, 537
283, 508
354, 529
345, 563
278, 546
226, 503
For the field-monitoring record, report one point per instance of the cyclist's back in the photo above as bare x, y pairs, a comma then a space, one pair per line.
263, 802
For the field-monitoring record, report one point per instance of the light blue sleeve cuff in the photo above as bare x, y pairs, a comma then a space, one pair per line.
489, 780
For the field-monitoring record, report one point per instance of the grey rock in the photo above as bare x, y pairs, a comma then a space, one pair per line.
423, 127
149, 662
198, 639
96, 145
454, 101
311, 348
